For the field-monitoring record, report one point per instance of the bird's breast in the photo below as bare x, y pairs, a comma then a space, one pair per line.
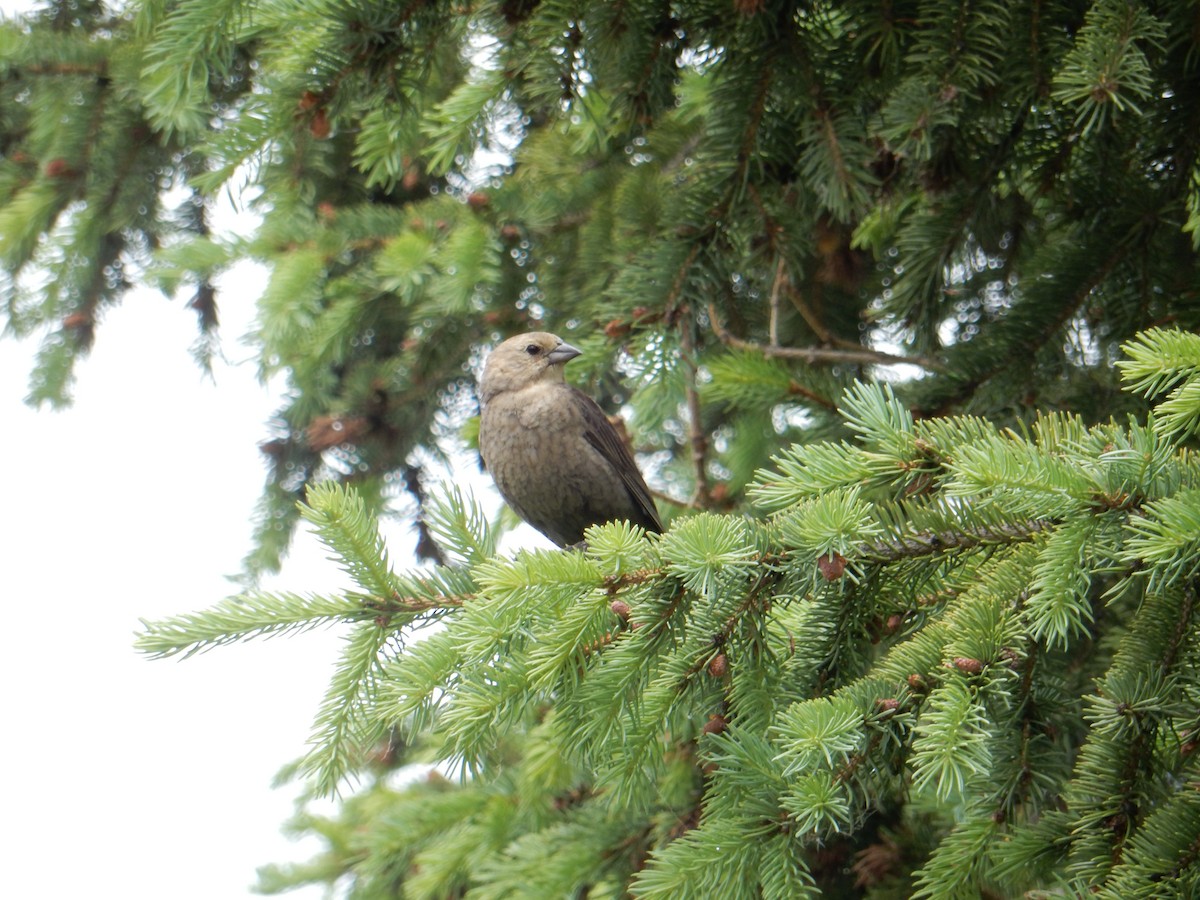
533, 444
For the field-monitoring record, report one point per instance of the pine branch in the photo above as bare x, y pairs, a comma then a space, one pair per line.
697, 434
344, 728
824, 335
776, 286
98, 69
427, 547
819, 355
1183, 626
884, 551
242, 617
406, 605
675, 501
931, 543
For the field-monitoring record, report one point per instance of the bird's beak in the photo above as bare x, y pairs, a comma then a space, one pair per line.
563, 353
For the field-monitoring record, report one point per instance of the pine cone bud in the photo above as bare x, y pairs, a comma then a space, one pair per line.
716, 724
59, 168
77, 320
621, 609
616, 329
967, 665
319, 127
718, 666
831, 566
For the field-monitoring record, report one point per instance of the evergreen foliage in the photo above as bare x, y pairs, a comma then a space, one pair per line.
745, 206
979, 688
857, 274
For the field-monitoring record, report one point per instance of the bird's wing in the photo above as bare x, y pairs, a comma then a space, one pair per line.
600, 433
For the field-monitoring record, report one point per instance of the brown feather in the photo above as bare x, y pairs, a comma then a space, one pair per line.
554, 456
600, 433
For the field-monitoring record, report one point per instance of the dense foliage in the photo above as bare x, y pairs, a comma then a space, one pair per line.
856, 274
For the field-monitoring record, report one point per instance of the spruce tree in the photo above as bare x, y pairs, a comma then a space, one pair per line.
898, 303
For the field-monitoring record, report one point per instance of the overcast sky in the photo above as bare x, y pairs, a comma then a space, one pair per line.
144, 778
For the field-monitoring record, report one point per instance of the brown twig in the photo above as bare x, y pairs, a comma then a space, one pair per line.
99, 70
824, 335
927, 543
798, 390
427, 547
399, 604
698, 438
820, 355
667, 498
773, 325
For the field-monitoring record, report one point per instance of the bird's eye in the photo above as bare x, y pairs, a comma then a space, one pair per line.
533, 349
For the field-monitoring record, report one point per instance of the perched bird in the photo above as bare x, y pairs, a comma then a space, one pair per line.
552, 452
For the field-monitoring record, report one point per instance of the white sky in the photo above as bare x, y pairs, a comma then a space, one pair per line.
150, 778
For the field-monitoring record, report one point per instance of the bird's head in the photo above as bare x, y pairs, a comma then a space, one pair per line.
524, 360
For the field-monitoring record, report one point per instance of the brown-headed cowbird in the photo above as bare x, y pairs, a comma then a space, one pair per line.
552, 452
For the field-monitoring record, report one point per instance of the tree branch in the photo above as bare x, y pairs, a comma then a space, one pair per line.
820, 355
928, 543
698, 437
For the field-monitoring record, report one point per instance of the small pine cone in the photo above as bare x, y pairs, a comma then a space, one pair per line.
77, 321
616, 329
59, 168
621, 609
319, 127
831, 566
967, 665
716, 724
718, 666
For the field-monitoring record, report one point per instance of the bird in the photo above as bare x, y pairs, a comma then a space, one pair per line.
552, 452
